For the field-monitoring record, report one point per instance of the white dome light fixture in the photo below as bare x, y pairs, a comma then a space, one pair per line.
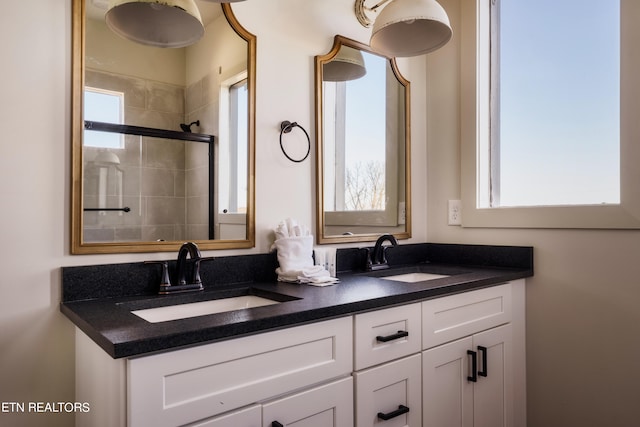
406, 27
348, 64
159, 23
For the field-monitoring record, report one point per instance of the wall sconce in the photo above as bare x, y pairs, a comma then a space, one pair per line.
348, 64
159, 23
405, 27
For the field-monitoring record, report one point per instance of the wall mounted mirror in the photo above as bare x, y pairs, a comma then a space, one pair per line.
163, 139
362, 145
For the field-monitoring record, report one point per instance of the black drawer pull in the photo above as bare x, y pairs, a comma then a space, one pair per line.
276, 424
401, 410
400, 334
483, 371
474, 366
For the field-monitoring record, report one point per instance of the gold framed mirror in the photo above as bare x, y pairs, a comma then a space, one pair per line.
193, 177
363, 176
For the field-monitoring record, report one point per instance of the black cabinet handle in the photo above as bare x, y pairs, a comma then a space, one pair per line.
483, 354
401, 410
400, 334
474, 366
276, 424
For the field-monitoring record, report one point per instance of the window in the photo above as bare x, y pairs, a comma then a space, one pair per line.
238, 144
353, 140
106, 106
550, 85
233, 145
555, 91
363, 147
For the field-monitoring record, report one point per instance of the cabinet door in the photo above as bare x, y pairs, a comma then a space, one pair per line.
389, 395
330, 405
247, 417
493, 394
447, 394
450, 399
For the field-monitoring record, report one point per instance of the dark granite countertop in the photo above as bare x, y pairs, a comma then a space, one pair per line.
107, 318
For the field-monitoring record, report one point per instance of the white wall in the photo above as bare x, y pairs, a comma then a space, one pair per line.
583, 305
36, 341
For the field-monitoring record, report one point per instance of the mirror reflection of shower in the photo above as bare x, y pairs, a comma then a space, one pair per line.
187, 127
106, 177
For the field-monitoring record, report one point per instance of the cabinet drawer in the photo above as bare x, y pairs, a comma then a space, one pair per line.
329, 405
384, 335
183, 386
387, 389
247, 417
450, 318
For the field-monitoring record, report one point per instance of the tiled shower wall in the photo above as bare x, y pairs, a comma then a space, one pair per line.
153, 169
201, 103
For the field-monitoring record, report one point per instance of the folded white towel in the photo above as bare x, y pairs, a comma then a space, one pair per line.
290, 228
313, 275
294, 244
295, 253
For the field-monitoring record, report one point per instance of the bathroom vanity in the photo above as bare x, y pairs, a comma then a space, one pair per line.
393, 347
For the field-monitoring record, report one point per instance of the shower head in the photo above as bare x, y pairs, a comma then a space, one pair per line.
187, 127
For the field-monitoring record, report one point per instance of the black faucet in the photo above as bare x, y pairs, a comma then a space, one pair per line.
194, 284
192, 250
377, 260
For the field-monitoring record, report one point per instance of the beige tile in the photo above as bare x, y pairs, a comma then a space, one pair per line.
196, 155
165, 211
165, 98
153, 119
197, 210
193, 98
197, 182
128, 234
210, 89
159, 182
155, 233
92, 235
164, 153
197, 232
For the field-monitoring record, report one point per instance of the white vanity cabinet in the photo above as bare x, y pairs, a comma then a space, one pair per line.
195, 384
439, 381
473, 364
388, 370
404, 366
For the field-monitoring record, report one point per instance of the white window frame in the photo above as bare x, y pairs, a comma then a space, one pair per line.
227, 150
475, 110
115, 94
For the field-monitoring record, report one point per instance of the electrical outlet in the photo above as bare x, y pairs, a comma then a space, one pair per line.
455, 212
402, 213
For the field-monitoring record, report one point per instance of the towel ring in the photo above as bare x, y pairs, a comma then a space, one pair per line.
286, 127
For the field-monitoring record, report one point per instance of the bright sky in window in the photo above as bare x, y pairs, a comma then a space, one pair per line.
559, 102
103, 106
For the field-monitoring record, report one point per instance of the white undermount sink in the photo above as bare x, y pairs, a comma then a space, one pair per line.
194, 309
414, 277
